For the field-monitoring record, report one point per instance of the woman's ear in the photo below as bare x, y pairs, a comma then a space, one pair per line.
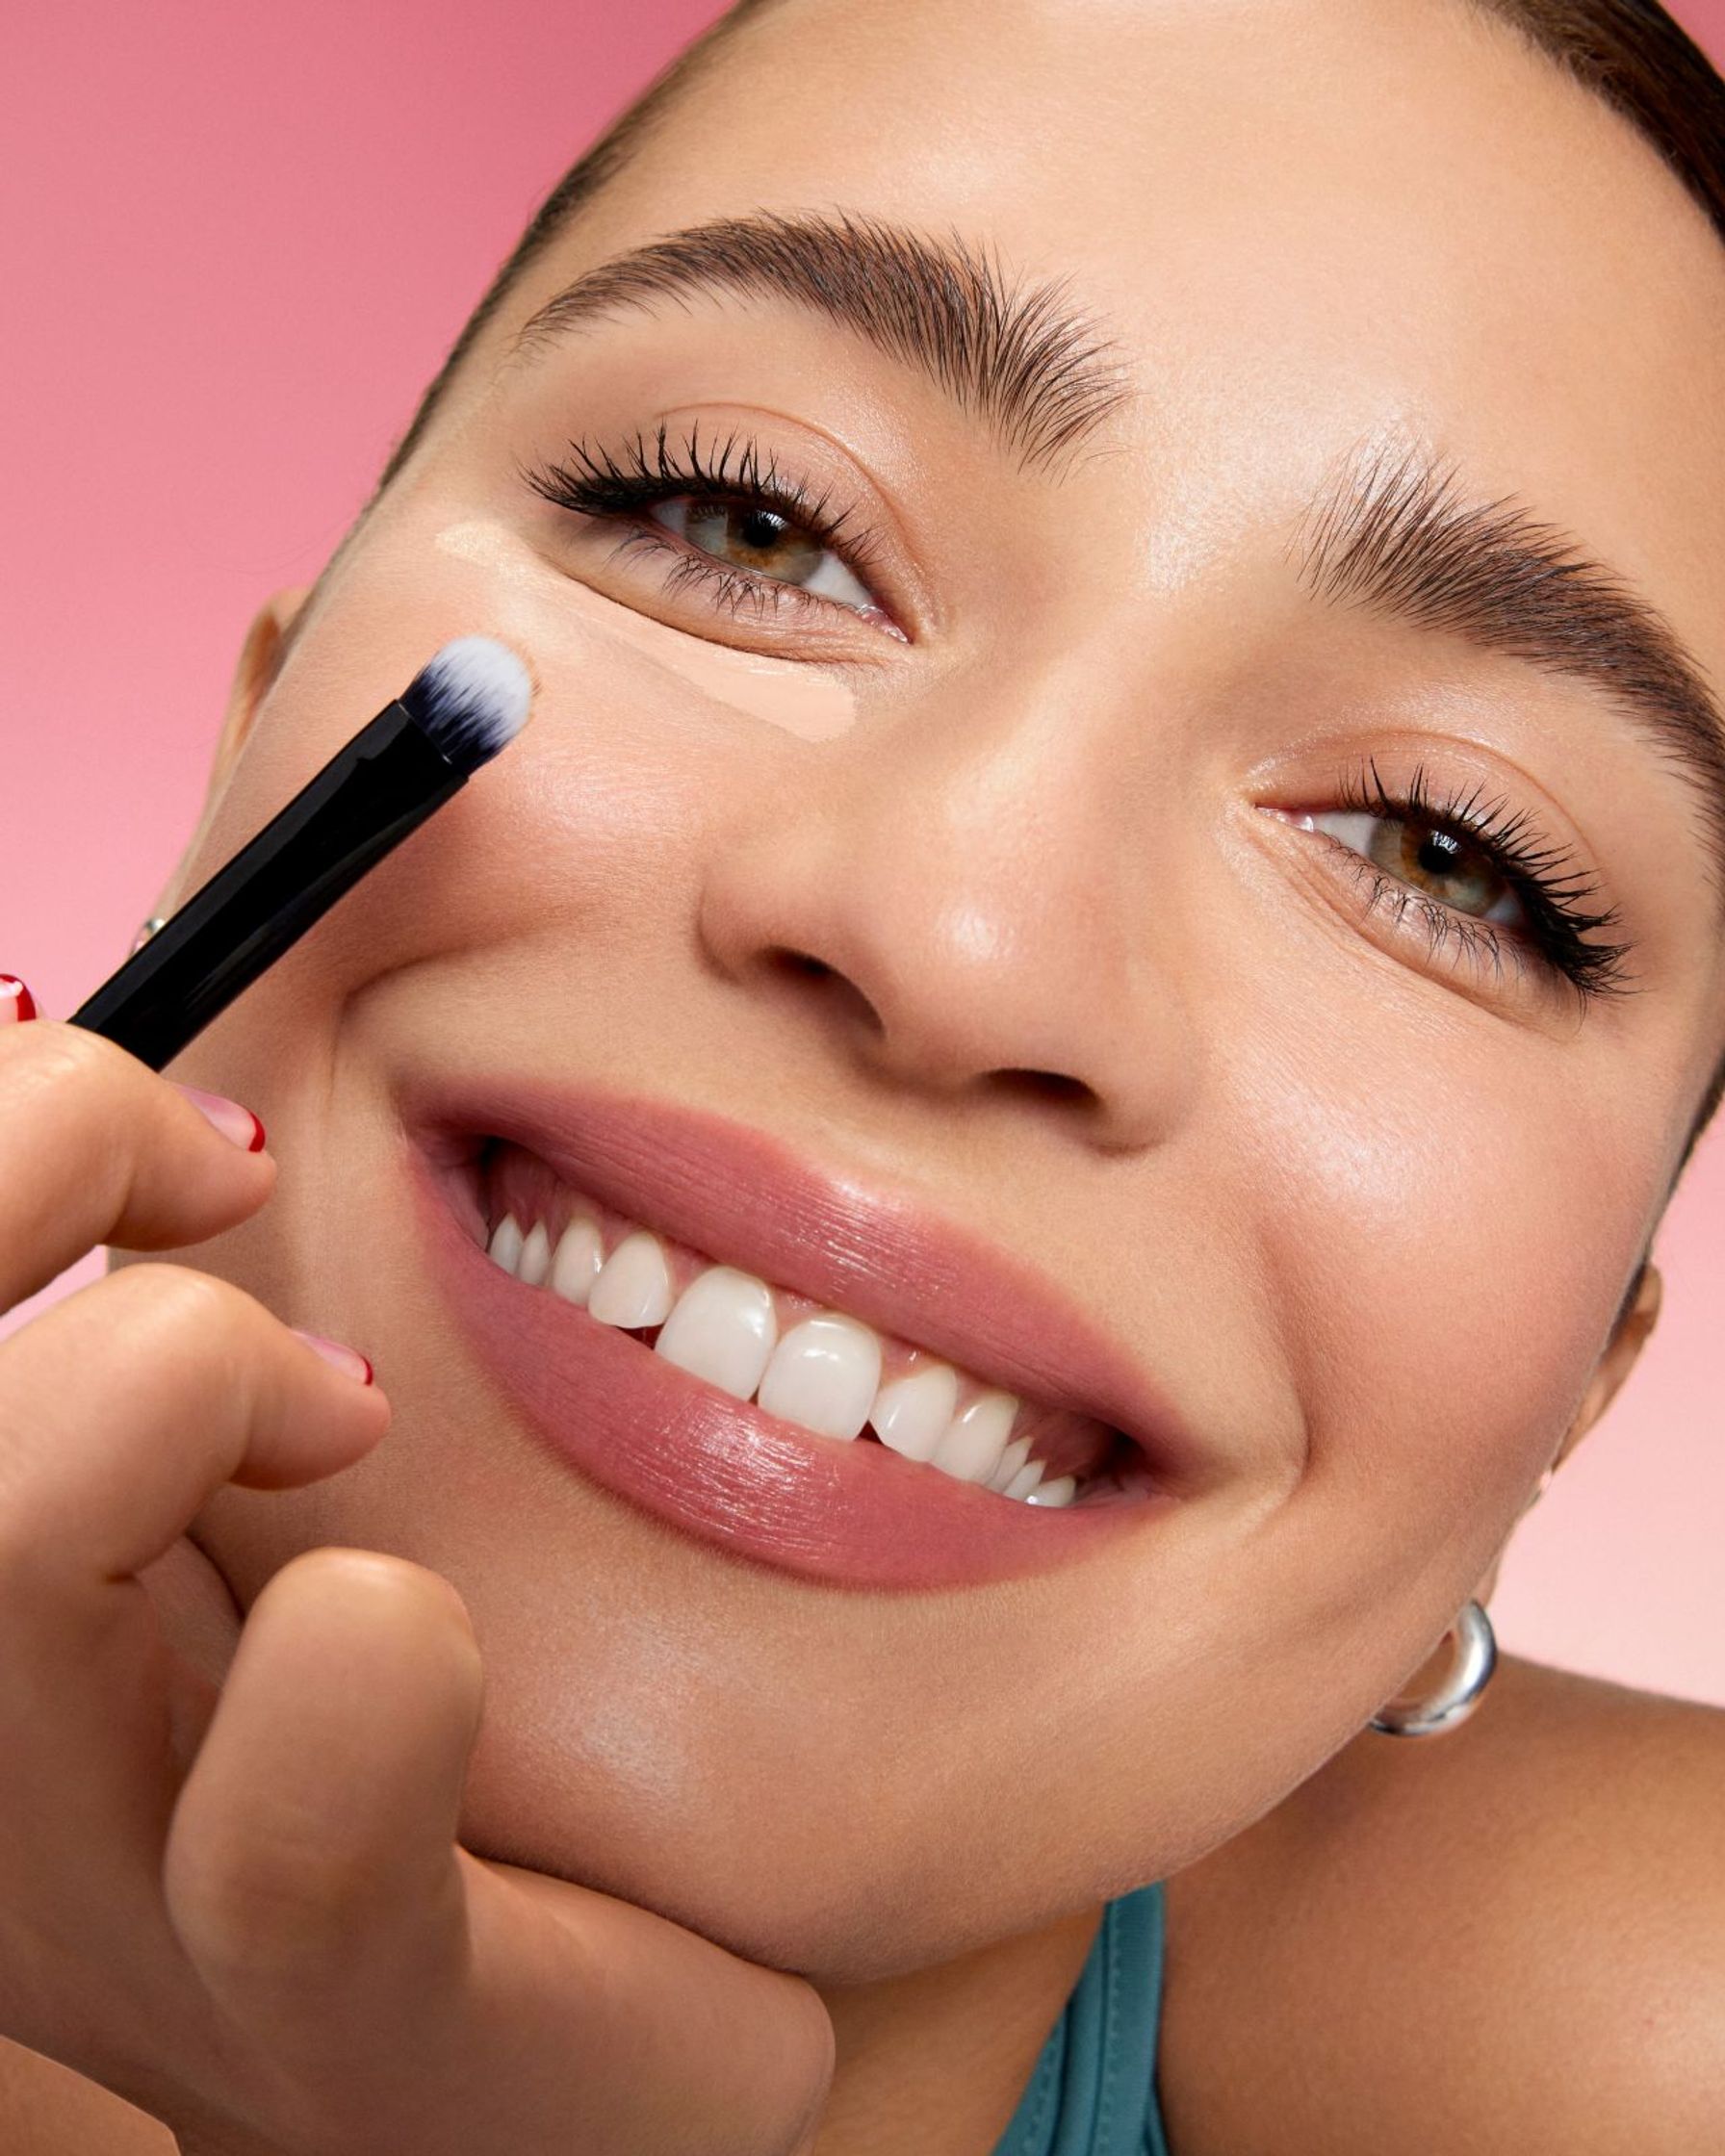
259, 662
1636, 1318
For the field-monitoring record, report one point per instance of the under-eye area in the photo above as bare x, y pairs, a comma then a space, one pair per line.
796, 1359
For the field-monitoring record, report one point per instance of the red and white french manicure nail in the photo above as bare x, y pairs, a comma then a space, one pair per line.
347, 1360
16, 1003
233, 1121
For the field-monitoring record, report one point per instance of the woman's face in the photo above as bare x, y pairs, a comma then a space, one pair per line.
1111, 1080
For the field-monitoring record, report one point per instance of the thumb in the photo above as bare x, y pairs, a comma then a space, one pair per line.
311, 1849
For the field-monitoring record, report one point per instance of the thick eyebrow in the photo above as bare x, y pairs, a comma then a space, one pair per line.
1394, 532
1041, 375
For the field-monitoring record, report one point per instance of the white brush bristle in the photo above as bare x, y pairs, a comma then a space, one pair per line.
471, 698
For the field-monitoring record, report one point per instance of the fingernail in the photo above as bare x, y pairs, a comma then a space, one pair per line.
229, 1117
16, 1003
349, 1360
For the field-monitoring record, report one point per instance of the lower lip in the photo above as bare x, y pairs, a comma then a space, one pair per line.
855, 1514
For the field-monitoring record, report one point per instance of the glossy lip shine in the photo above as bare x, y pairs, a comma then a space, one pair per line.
851, 1513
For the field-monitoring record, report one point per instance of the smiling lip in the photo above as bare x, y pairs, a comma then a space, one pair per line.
854, 1513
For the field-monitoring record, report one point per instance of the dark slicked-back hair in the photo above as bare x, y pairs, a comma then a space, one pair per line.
1632, 54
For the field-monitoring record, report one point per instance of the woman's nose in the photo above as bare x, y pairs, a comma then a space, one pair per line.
965, 916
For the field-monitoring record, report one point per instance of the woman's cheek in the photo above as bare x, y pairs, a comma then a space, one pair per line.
1450, 1250
588, 824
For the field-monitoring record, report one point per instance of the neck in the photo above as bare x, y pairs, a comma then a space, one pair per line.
937, 2061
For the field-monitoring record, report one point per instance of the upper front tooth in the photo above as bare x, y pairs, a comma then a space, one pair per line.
535, 1262
574, 1267
505, 1244
824, 1375
972, 1446
911, 1413
634, 1287
723, 1329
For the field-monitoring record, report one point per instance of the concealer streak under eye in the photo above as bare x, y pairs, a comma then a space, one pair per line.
797, 698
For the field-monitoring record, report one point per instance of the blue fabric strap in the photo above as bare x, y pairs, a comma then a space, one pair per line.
1093, 2093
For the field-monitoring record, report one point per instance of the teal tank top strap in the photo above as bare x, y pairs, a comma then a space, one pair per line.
1093, 2089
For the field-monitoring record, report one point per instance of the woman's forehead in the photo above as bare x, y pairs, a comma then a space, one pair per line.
1057, 116
1339, 173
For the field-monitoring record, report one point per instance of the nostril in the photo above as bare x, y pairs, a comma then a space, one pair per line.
797, 968
801, 962
1046, 1086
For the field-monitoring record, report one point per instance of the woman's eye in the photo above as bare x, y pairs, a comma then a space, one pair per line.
763, 542
1436, 863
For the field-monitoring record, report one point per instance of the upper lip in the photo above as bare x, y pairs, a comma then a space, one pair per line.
747, 1200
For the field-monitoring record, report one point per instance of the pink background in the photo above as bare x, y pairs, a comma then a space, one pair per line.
234, 243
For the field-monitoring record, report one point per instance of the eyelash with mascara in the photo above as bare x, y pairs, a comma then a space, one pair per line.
649, 470
1552, 897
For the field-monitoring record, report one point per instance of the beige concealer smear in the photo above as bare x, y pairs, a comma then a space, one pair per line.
798, 698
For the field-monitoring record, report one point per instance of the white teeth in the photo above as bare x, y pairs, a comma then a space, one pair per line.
1011, 1461
574, 1267
535, 1256
911, 1413
505, 1244
722, 1329
1025, 1480
972, 1446
824, 1375
634, 1287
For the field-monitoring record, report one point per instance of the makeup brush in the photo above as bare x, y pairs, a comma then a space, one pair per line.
468, 702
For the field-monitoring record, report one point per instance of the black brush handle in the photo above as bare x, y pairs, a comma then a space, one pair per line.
364, 801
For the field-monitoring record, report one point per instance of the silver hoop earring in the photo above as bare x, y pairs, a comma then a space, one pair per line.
156, 921
1475, 1658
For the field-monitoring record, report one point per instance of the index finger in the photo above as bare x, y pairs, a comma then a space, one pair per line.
94, 1148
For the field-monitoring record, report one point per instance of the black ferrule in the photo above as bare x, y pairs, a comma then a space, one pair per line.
364, 801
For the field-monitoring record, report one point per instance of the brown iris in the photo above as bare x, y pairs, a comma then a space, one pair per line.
751, 537
1438, 861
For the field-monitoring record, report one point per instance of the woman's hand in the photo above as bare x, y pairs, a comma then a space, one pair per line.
237, 1900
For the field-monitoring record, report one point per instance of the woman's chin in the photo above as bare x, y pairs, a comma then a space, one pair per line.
806, 1884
